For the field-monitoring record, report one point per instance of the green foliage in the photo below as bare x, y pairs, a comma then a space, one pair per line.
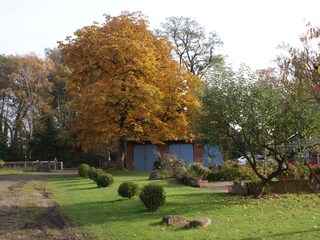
2, 163
315, 169
104, 180
162, 173
302, 170
232, 172
299, 169
227, 172
198, 170
94, 173
253, 186
83, 170
185, 178
171, 165
157, 165
254, 112
128, 189
152, 196
247, 174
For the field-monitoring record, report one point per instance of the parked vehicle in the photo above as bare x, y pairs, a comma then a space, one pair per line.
243, 160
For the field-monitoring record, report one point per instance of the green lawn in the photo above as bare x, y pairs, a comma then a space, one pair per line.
103, 214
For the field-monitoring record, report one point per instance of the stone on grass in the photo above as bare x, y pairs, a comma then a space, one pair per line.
240, 189
201, 222
175, 220
154, 176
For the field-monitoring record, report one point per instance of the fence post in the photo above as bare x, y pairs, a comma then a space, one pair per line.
55, 164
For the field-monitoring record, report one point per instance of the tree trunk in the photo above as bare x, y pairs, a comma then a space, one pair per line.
260, 189
121, 154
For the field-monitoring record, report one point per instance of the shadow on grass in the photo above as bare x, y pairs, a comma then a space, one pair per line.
281, 235
159, 223
124, 210
86, 188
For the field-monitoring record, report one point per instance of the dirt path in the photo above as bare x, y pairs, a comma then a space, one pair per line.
28, 212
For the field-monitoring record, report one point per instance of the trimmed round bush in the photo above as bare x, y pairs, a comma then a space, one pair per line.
93, 173
152, 196
128, 189
83, 170
104, 180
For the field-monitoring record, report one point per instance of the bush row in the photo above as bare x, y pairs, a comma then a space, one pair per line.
151, 195
98, 175
231, 172
168, 167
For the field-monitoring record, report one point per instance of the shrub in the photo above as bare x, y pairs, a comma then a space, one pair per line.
247, 174
231, 172
83, 170
214, 176
187, 179
104, 180
128, 189
172, 165
299, 170
157, 165
162, 174
253, 187
152, 196
303, 172
315, 169
94, 173
2, 163
228, 172
198, 170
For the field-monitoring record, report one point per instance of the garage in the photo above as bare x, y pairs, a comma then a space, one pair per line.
212, 156
182, 151
144, 156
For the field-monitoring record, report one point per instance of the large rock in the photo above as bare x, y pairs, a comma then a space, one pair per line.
201, 222
240, 188
175, 220
154, 176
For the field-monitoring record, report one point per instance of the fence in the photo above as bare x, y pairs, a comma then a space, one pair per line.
36, 165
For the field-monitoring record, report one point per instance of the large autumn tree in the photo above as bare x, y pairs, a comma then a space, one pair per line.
125, 85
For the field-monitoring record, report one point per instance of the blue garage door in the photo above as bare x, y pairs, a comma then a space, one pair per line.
144, 157
212, 156
182, 151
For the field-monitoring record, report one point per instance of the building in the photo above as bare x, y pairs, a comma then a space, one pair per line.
141, 156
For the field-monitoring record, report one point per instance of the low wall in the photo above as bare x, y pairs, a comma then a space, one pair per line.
293, 186
36, 165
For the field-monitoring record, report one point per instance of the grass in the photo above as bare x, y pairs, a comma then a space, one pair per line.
102, 214
4, 171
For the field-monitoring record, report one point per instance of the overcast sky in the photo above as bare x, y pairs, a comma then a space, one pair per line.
250, 29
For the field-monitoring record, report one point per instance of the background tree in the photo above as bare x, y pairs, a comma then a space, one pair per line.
25, 97
125, 85
6, 67
258, 113
193, 47
301, 64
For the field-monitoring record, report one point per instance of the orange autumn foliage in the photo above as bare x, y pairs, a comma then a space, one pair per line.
125, 84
